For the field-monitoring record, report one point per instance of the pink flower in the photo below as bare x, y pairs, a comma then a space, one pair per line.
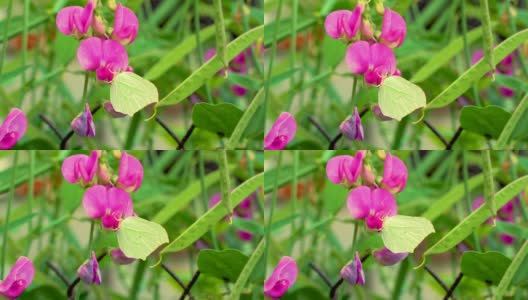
344, 23
379, 115
281, 133
18, 279
110, 204
345, 169
111, 111
373, 205
80, 168
12, 129
353, 271
83, 124
385, 257
125, 25
120, 258
282, 278
505, 67
75, 20
89, 271
376, 61
105, 57
394, 174
351, 128
505, 213
243, 211
130, 173
393, 29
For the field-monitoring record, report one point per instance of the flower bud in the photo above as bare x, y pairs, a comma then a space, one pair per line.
111, 111
351, 128
98, 26
120, 258
386, 257
83, 124
89, 271
379, 115
353, 272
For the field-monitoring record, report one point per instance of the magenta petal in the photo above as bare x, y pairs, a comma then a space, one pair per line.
393, 29
18, 279
358, 202
95, 201
344, 169
120, 203
394, 174
89, 271
351, 25
335, 22
385, 257
478, 55
358, 57
382, 60
281, 133
115, 56
90, 53
282, 278
65, 18
126, 25
383, 203
12, 129
83, 124
130, 173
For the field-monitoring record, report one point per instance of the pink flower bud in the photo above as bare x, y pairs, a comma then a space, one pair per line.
126, 25
386, 257
120, 258
281, 133
353, 271
393, 29
75, 20
130, 173
394, 174
89, 271
18, 279
98, 26
345, 169
80, 168
83, 124
282, 278
344, 24
351, 128
109, 108
379, 115
12, 129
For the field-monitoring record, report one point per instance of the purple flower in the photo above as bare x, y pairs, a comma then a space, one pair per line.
80, 168
111, 111
376, 61
281, 133
242, 210
125, 25
89, 271
353, 271
345, 169
130, 173
83, 124
379, 115
505, 67
351, 127
105, 57
344, 24
372, 205
505, 213
18, 279
75, 20
12, 129
120, 258
386, 257
110, 204
282, 278
394, 174
393, 29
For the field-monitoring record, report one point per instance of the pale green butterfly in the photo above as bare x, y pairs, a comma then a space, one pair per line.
130, 93
399, 97
138, 238
404, 233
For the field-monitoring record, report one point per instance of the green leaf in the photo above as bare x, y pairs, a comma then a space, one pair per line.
221, 39
512, 82
487, 267
489, 183
286, 175
476, 218
486, 121
511, 271
333, 51
399, 97
512, 124
247, 270
487, 36
22, 176
130, 93
225, 182
138, 238
218, 118
244, 121
404, 233
466, 80
225, 264
513, 229
211, 67
214, 215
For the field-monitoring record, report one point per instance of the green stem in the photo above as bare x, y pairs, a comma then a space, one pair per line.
200, 48
489, 184
467, 56
8, 212
467, 194
85, 88
511, 271
512, 123
293, 199
272, 208
293, 50
90, 241
267, 84
244, 121
24, 51
487, 35
31, 196
6, 33
225, 186
138, 277
204, 196
221, 39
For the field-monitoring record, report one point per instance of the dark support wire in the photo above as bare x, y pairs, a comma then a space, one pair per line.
168, 130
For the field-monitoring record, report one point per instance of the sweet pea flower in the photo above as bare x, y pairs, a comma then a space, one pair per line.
110, 204
379, 115
130, 173
18, 279
351, 128
109, 108
373, 205
75, 20
393, 29
83, 124
12, 129
89, 271
80, 168
385, 257
353, 271
120, 258
344, 24
126, 25
345, 169
105, 57
394, 174
376, 61
282, 278
281, 133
